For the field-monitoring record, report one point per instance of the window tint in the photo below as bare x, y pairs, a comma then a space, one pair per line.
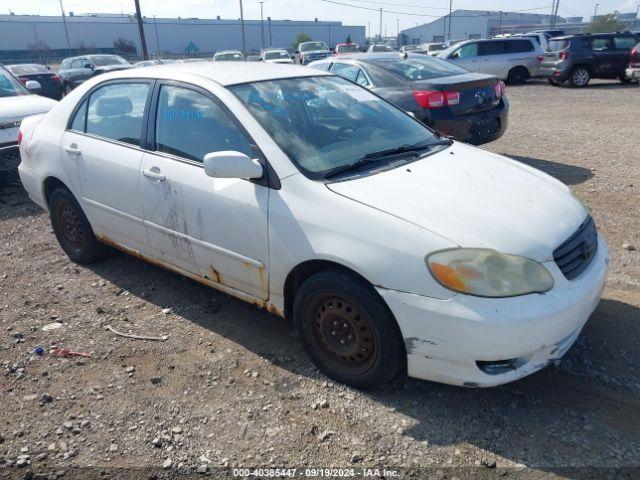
76, 64
116, 111
190, 125
519, 46
350, 72
557, 45
492, 48
362, 79
467, 51
78, 122
599, 44
419, 67
624, 43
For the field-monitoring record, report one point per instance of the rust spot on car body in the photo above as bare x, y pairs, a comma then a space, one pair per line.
214, 282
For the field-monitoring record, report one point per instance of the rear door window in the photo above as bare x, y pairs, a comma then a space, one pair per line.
116, 111
600, 44
520, 46
492, 48
624, 43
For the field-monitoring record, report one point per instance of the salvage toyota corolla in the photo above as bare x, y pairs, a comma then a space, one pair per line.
390, 247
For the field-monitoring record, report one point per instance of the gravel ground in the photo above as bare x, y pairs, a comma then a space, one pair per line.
231, 387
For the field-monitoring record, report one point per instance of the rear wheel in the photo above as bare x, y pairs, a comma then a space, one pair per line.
517, 76
580, 77
347, 329
67, 89
72, 228
624, 79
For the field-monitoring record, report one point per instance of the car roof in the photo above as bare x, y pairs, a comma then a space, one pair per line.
228, 51
232, 73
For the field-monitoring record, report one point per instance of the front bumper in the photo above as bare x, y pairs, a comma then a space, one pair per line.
475, 128
9, 161
445, 339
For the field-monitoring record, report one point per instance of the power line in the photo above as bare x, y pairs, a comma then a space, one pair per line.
426, 14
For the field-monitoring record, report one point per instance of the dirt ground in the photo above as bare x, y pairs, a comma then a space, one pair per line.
231, 387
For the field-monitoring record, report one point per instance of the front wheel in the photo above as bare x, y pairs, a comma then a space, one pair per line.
517, 76
347, 330
72, 228
624, 79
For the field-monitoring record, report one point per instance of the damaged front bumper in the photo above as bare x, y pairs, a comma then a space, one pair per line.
483, 342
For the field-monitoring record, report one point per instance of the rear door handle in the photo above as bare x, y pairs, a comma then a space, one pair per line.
72, 149
155, 175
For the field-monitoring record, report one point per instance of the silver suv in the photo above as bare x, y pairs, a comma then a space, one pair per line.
511, 59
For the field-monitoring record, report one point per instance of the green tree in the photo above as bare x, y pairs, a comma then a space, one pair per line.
302, 37
606, 23
348, 39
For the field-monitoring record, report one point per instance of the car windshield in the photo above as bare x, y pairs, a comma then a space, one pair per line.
9, 86
228, 57
327, 123
382, 48
348, 48
105, 60
411, 48
306, 47
419, 67
275, 55
28, 69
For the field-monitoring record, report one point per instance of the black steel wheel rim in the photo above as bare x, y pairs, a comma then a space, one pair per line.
342, 334
70, 225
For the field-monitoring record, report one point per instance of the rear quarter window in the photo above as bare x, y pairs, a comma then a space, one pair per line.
557, 45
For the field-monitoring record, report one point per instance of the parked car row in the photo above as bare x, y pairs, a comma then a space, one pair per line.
378, 237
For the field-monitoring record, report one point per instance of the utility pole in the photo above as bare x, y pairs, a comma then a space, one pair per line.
450, 12
380, 24
635, 20
244, 46
66, 30
500, 24
595, 12
398, 32
555, 13
143, 42
269, 22
261, 25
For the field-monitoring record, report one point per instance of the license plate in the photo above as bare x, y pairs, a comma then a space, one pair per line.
486, 127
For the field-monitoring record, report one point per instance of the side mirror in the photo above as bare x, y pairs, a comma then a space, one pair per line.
411, 114
297, 52
88, 65
230, 164
33, 85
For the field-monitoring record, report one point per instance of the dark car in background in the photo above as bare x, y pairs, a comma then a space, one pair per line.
50, 83
577, 59
75, 70
470, 107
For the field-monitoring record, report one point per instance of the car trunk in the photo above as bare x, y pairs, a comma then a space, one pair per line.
47, 80
477, 91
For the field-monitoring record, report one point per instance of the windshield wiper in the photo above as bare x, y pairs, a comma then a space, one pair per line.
374, 157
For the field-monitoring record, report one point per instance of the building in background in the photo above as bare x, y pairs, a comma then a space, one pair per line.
472, 24
34, 37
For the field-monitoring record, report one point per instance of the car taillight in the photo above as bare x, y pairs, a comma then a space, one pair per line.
564, 55
436, 98
540, 58
19, 137
55, 78
499, 88
634, 53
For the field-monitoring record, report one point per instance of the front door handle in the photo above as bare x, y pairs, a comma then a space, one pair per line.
155, 175
72, 149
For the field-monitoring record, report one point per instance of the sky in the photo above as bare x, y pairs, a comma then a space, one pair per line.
409, 13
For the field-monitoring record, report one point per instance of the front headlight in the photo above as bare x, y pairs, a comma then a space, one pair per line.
488, 273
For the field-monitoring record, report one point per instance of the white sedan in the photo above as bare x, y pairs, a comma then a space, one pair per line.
391, 248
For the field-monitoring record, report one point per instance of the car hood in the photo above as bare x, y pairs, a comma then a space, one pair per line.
16, 108
475, 199
279, 60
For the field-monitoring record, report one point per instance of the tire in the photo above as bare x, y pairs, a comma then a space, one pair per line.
347, 330
67, 89
517, 76
580, 77
624, 79
72, 229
